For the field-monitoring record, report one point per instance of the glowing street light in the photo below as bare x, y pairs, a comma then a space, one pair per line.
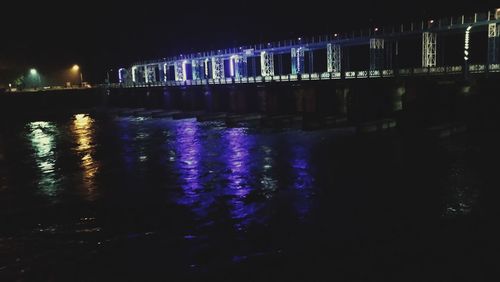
34, 73
76, 69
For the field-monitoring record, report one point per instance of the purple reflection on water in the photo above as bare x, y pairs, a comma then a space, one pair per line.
303, 181
237, 158
186, 145
188, 151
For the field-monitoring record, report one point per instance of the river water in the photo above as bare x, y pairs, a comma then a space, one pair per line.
141, 199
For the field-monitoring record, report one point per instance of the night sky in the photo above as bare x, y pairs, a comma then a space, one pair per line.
98, 37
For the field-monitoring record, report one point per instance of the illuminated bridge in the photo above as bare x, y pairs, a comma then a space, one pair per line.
462, 45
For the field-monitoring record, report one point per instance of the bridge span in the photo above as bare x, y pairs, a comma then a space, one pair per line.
463, 45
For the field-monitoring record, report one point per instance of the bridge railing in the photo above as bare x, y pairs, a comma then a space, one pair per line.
360, 74
371, 31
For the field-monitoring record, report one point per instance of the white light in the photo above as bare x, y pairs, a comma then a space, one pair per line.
231, 66
184, 73
133, 73
120, 77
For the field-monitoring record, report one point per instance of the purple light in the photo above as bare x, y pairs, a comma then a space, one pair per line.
303, 180
186, 158
237, 157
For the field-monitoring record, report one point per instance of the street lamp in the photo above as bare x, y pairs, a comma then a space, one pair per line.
34, 73
76, 68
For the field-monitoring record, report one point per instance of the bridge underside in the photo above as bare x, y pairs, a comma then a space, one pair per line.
420, 101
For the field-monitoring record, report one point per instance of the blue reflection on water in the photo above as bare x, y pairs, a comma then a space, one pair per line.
186, 146
303, 181
237, 160
127, 143
42, 136
233, 170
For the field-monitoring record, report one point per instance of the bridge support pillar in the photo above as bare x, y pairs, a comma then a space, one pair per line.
297, 60
333, 57
162, 72
398, 95
237, 100
298, 94
429, 49
134, 74
342, 100
280, 64
180, 70
167, 98
267, 63
311, 61
151, 73
197, 69
376, 54
146, 74
208, 97
493, 43
238, 66
218, 68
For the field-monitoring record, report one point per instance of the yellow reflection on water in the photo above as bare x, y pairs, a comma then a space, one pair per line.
83, 130
42, 136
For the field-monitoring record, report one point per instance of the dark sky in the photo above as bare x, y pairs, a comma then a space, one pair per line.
104, 35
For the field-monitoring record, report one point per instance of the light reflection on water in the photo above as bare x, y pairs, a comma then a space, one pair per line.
238, 161
240, 179
230, 168
42, 135
211, 170
210, 167
303, 180
462, 189
187, 149
83, 130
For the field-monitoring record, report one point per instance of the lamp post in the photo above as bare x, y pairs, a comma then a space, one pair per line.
34, 73
76, 68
